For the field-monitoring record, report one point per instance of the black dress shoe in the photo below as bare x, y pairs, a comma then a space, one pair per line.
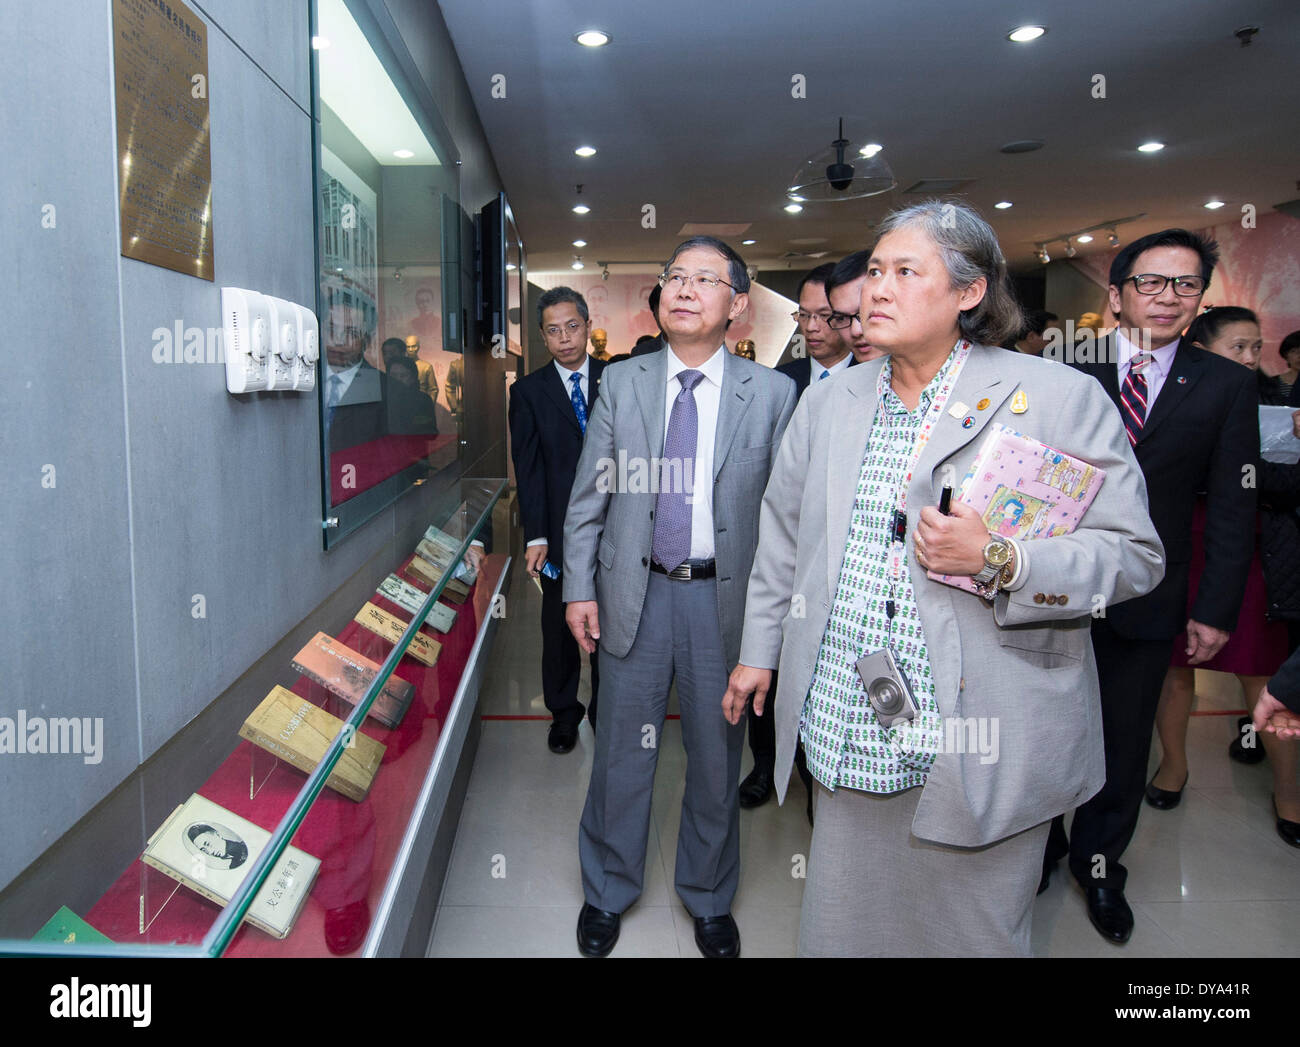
597, 931
1110, 914
756, 789
562, 737
1239, 752
1289, 831
1163, 799
718, 937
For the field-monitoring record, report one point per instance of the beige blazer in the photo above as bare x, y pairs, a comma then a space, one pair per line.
1024, 664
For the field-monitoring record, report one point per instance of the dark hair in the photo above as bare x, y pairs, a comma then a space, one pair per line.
1037, 321
1206, 327
846, 270
402, 364
557, 295
816, 276
647, 344
655, 292
395, 346
1291, 341
1206, 249
736, 270
969, 249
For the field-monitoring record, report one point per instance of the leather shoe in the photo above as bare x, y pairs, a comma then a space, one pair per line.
717, 936
1238, 752
1163, 799
562, 737
756, 789
1289, 831
597, 931
1110, 914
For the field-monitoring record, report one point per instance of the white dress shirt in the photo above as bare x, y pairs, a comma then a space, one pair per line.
815, 375
1156, 371
708, 398
584, 384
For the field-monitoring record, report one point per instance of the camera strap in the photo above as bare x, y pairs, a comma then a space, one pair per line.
898, 528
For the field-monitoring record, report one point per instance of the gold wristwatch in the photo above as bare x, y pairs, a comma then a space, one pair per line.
999, 565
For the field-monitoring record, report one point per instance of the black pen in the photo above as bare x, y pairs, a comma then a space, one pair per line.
945, 499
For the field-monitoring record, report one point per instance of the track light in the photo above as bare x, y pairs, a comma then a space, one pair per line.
1043, 256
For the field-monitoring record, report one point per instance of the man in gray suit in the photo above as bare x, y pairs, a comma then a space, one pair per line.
929, 831
658, 544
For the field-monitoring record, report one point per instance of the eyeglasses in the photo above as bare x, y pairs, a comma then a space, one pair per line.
803, 316
1154, 283
699, 281
555, 330
839, 321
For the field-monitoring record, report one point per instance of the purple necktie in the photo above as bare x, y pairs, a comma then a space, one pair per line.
672, 537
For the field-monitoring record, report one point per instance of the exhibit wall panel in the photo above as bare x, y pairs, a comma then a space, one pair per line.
165, 487
67, 645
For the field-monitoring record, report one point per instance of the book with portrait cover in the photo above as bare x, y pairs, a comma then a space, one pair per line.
66, 927
348, 675
410, 599
1024, 489
290, 727
210, 850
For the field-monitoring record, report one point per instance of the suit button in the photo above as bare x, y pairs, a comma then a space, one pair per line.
1051, 598
1062, 599
652, 514
1039, 597
645, 562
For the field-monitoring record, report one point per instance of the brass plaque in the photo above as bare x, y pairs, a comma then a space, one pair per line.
160, 58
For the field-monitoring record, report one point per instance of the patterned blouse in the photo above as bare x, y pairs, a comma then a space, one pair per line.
843, 741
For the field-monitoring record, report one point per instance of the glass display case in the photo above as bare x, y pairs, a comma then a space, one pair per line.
299, 818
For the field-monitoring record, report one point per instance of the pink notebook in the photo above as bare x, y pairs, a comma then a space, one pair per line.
1025, 489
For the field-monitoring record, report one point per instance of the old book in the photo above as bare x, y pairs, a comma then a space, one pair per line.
347, 674
390, 627
210, 850
442, 562
298, 732
411, 599
1024, 489
430, 574
66, 927
450, 546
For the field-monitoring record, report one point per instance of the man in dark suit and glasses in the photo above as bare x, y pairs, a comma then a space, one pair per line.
1193, 420
548, 417
844, 293
657, 572
826, 354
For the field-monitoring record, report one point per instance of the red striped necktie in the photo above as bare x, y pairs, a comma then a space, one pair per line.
1133, 397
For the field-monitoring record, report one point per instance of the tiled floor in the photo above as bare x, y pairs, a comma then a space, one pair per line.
1210, 878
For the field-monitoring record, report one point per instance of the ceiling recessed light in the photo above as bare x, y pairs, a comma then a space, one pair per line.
319, 43
1214, 205
793, 208
403, 154
748, 242
577, 264
1086, 238
579, 243
1151, 147
592, 38
1002, 205
1024, 33
870, 149
585, 150
581, 209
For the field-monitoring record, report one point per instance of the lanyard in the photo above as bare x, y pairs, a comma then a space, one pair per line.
898, 539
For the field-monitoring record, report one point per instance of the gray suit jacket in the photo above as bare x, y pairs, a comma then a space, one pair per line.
609, 525
1024, 664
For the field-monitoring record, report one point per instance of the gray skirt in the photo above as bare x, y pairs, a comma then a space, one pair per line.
874, 889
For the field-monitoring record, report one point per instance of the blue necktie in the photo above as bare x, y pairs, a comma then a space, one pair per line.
671, 544
579, 404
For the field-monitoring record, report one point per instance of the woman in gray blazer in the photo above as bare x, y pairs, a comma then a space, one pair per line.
929, 830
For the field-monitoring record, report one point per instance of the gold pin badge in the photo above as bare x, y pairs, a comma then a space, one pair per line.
1019, 402
983, 404
957, 410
